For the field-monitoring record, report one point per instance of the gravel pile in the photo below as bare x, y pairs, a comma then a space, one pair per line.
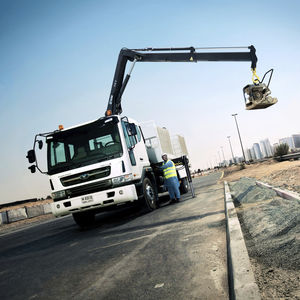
271, 227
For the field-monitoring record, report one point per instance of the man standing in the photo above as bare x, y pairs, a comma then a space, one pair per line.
171, 180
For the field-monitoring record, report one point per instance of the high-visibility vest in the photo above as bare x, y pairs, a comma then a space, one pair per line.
170, 171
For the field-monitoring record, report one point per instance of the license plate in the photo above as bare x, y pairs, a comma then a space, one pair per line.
87, 199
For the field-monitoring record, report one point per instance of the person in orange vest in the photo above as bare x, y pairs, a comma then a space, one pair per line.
171, 180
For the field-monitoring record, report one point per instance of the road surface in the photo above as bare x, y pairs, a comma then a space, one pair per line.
175, 252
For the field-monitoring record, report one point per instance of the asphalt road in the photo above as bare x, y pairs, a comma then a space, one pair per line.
175, 252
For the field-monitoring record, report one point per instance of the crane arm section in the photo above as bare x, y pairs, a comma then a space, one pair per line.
187, 54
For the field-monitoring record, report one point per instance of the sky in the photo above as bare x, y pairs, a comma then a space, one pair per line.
58, 58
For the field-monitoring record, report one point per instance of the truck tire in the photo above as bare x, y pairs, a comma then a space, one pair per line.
84, 219
149, 195
184, 186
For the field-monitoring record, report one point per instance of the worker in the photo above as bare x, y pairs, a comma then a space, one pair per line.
171, 180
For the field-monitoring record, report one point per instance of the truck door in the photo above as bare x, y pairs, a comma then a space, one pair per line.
136, 147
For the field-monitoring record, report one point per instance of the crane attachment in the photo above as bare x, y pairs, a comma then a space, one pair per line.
186, 54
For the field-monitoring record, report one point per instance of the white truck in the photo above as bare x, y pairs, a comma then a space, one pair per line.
109, 162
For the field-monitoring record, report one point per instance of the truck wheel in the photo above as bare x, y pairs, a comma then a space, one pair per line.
149, 195
84, 219
184, 186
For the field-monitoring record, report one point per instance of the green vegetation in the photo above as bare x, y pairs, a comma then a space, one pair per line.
242, 166
282, 149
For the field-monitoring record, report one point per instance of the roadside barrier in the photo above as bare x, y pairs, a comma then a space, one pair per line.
23, 213
3, 217
16, 214
35, 211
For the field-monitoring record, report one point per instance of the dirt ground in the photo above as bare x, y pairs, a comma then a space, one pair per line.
284, 174
270, 224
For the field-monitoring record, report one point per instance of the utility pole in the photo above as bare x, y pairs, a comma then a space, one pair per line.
223, 153
231, 149
234, 115
224, 161
216, 160
220, 163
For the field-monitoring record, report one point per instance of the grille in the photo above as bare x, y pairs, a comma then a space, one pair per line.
89, 188
85, 176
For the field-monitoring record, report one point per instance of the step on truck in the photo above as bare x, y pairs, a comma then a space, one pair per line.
111, 161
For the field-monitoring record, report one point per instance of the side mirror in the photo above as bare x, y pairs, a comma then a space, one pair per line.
32, 168
31, 156
40, 144
131, 129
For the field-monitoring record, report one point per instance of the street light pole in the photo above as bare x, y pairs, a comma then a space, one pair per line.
234, 115
231, 149
224, 161
220, 163
223, 154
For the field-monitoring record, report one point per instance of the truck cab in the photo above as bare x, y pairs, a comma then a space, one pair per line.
95, 165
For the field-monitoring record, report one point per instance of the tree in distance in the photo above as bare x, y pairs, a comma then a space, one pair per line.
281, 149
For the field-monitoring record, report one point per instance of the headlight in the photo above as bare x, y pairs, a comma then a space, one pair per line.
59, 195
121, 179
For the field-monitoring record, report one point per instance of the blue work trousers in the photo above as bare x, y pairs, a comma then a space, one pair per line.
172, 184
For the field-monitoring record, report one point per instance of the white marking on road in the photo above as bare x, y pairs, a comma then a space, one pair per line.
159, 285
124, 242
173, 227
193, 235
73, 244
135, 239
124, 233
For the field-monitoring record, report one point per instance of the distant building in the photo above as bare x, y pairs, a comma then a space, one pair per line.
263, 149
253, 153
225, 163
257, 151
248, 154
296, 140
239, 159
266, 148
289, 141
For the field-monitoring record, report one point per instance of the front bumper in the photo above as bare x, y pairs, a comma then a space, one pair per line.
96, 200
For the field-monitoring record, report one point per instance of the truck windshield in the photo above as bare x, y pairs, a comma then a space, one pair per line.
85, 145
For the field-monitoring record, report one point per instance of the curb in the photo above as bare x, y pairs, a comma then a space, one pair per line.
242, 283
280, 192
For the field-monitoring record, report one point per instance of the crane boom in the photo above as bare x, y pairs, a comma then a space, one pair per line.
187, 54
